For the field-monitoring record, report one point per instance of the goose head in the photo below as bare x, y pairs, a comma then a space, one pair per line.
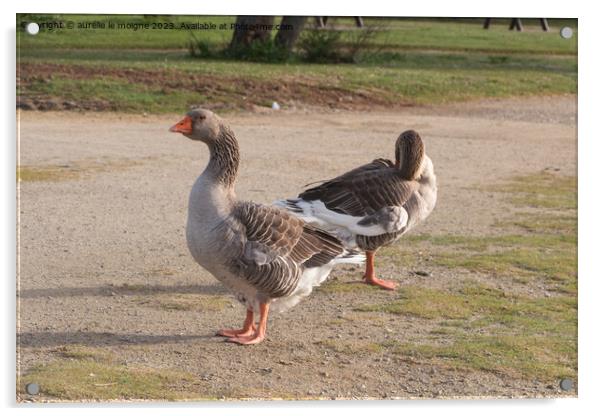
199, 124
409, 154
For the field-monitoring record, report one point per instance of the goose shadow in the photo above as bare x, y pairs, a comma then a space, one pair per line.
98, 339
123, 290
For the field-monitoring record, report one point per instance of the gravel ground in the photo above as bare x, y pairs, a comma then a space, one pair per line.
100, 250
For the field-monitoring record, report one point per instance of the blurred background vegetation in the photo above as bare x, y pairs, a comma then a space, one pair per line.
389, 62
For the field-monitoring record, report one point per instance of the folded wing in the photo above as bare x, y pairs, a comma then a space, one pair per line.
276, 247
368, 200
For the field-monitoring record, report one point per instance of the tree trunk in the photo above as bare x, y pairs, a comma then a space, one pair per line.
247, 31
290, 29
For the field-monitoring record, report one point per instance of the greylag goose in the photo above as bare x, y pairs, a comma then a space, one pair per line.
375, 204
264, 254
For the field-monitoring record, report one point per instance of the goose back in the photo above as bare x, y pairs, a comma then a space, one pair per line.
364, 190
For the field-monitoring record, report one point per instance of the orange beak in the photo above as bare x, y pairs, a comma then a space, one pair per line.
183, 126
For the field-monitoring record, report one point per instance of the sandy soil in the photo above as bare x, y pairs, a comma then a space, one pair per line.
98, 250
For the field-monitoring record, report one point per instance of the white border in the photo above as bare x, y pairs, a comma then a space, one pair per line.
589, 188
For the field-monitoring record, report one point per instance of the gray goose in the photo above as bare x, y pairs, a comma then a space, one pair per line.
265, 255
375, 204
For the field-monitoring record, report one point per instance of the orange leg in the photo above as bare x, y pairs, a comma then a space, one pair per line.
370, 276
259, 334
247, 328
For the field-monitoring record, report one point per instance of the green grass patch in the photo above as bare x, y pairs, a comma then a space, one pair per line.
83, 373
436, 86
552, 258
492, 330
482, 305
540, 357
542, 254
549, 224
114, 94
424, 303
542, 190
469, 35
335, 286
406, 253
173, 59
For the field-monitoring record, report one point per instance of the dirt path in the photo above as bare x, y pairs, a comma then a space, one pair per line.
104, 261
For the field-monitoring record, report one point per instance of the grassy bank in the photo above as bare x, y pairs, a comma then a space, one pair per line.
407, 62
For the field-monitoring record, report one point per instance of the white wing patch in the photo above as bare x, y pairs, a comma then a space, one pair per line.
317, 213
311, 278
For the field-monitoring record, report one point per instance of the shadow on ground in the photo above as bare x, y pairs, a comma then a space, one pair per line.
111, 290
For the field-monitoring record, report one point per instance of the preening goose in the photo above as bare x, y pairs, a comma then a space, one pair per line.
374, 204
264, 254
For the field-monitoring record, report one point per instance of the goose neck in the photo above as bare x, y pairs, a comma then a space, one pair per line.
224, 158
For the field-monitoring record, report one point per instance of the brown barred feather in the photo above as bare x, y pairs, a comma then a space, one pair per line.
363, 191
293, 244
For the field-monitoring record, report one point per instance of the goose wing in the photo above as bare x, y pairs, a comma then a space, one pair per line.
363, 190
368, 200
275, 247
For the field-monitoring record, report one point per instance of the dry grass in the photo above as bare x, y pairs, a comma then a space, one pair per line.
74, 171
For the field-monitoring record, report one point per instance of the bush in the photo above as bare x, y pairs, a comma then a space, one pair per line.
314, 45
258, 51
336, 46
321, 46
199, 48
